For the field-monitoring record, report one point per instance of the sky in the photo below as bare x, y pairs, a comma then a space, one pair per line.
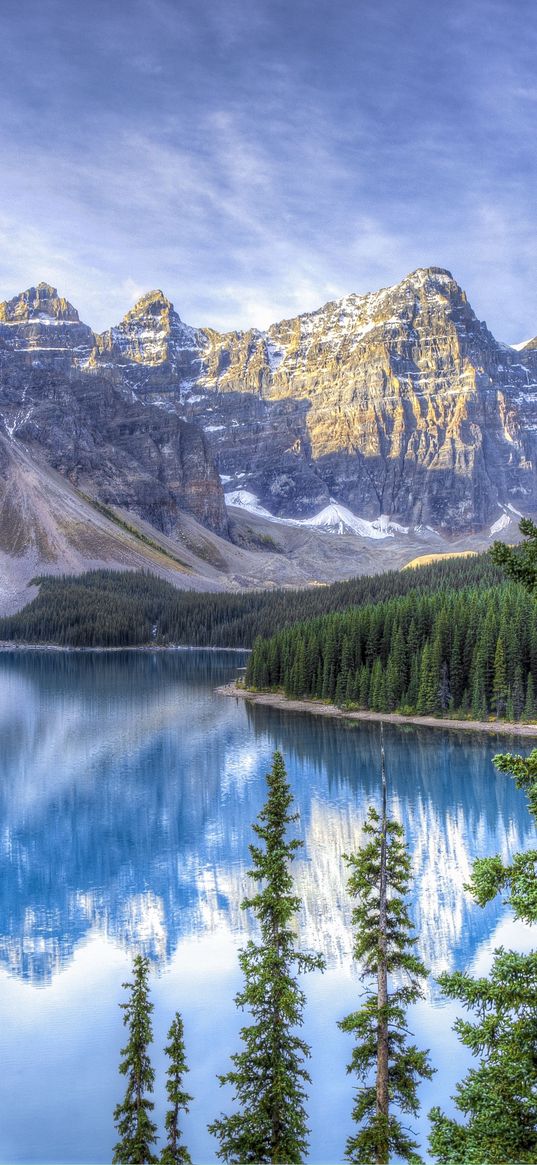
256, 158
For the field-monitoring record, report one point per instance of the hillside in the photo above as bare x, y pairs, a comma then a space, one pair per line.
111, 608
350, 439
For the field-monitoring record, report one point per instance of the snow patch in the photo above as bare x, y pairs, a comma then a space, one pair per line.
248, 501
503, 521
341, 520
275, 355
334, 518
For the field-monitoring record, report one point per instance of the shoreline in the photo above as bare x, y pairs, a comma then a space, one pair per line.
276, 700
6, 645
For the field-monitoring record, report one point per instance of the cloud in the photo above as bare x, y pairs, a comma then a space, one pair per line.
256, 159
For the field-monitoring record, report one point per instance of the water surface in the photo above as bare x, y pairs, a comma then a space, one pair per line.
126, 800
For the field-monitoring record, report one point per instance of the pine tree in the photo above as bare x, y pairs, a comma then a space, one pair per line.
499, 1097
175, 1153
520, 562
529, 705
137, 1132
379, 878
499, 685
518, 692
269, 1075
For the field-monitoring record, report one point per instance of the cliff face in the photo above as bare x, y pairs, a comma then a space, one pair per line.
38, 328
151, 348
399, 403
56, 400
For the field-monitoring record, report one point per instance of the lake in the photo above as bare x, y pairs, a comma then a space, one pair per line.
127, 796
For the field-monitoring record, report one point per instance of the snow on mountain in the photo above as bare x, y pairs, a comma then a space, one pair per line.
334, 518
503, 521
248, 501
340, 520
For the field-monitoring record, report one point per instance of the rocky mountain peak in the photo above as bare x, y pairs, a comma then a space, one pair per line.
38, 303
398, 402
38, 327
153, 303
151, 334
423, 274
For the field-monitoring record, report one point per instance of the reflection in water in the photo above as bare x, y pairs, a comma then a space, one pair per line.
126, 801
129, 789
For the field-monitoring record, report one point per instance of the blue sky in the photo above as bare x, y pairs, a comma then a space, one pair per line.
255, 158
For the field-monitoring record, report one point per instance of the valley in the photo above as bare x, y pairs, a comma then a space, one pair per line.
350, 440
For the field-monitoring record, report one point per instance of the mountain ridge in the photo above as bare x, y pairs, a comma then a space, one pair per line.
398, 408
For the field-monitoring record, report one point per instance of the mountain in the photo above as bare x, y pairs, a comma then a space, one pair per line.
40, 329
398, 403
92, 428
393, 418
151, 347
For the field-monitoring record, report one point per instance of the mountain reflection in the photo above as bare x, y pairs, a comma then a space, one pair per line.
129, 788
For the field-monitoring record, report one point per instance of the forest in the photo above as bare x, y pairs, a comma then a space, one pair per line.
125, 608
268, 1078
450, 652
471, 652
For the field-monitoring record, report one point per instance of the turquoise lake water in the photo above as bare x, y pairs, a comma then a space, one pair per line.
128, 788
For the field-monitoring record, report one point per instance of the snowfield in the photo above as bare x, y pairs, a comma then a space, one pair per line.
334, 518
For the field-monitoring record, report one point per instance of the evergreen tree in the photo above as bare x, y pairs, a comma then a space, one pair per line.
518, 692
499, 1097
269, 1075
529, 704
137, 1132
174, 1152
388, 1067
499, 686
520, 562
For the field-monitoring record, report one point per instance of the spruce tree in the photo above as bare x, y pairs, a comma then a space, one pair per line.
388, 1067
137, 1132
269, 1074
520, 562
498, 1098
174, 1152
529, 704
499, 688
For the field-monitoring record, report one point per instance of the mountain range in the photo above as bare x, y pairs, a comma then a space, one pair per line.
393, 420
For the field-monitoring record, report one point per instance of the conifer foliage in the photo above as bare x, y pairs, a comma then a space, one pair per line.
470, 652
269, 1074
387, 1066
137, 1132
498, 1098
112, 608
175, 1152
520, 562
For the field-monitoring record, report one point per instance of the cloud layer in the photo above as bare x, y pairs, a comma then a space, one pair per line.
255, 158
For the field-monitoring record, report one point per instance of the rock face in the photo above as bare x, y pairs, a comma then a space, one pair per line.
57, 401
399, 404
151, 347
40, 329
